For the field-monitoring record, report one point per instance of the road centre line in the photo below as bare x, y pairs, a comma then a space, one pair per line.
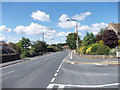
52, 79
55, 74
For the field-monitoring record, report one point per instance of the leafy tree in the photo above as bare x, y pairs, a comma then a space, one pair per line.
100, 34
88, 39
39, 46
24, 44
71, 40
110, 38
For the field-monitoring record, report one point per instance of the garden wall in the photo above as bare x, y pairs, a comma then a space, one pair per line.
100, 56
7, 58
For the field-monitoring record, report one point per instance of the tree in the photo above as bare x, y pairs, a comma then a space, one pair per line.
110, 38
88, 39
71, 40
100, 34
39, 46
24, 44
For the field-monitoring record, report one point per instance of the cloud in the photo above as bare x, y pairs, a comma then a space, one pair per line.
63, 17
95, 28
2, 37
81, 16
63, 33
3, 28
40, 16
34, 29
63, 23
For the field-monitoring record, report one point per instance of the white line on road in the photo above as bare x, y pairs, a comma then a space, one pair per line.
52, 79
55, 74
7, 73
57, 70
84, 86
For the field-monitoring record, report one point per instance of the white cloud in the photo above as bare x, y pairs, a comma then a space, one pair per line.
67, 24
34, 29
63, 33
83, 27
63, 17
63, 23
81, 16
3, 28
95, 28
40, 15
2, 37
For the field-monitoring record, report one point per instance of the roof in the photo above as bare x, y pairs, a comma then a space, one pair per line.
115, 26
3, 43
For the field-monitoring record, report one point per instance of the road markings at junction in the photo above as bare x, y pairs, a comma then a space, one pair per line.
55, 74
82, 86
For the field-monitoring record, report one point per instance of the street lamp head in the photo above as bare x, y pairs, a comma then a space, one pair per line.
71, 20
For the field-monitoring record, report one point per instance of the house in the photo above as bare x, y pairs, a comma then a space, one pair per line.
5, 49
115, 27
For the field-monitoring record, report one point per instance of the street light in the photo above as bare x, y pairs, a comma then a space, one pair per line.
76, 32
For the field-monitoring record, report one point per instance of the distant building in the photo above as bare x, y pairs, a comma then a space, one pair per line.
115, 27
65, 47
5, 49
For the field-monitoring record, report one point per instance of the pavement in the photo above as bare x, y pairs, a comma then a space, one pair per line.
58, 71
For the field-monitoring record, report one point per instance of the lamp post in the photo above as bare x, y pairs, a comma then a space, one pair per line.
76, 33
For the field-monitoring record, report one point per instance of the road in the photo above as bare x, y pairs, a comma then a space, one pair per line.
36, 73
52, 71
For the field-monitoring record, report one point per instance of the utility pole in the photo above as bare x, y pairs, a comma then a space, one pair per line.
43, 36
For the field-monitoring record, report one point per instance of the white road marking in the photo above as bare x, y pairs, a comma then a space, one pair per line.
57, 70
85, 86
61, 87
55, 74
52, 79
7, 73
50, 86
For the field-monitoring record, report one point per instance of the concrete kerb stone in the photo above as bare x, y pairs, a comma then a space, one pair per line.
101, 63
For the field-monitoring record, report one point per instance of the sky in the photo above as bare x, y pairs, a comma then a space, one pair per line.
32, 19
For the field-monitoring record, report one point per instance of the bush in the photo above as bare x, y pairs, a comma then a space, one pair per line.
23, 54
88, 51
95, 46
118, 42
112, 51
82, 49
103, 50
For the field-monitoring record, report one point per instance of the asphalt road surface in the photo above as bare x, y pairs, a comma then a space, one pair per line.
52, 72
36, 73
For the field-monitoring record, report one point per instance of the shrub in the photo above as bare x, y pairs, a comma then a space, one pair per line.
118, 42
103, 50
82, 49
23, 54
95, 46
88, 50
112, 51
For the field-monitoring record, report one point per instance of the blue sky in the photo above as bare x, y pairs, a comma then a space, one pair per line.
30, 19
